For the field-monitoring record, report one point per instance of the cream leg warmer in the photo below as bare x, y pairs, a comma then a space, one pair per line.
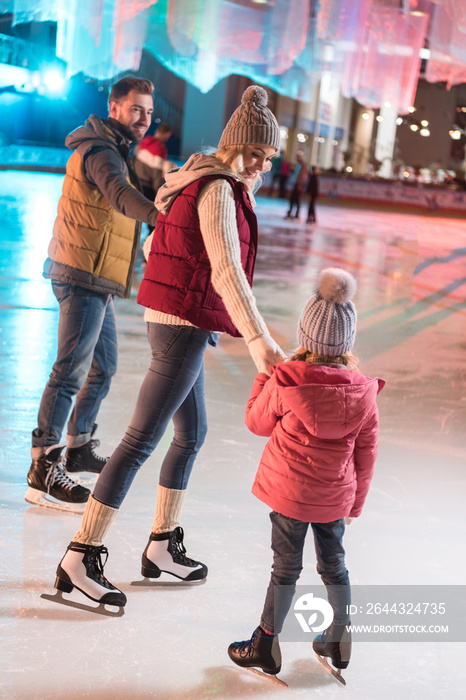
167, 509
96, 522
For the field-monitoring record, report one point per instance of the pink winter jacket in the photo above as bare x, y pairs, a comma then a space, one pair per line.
323, 426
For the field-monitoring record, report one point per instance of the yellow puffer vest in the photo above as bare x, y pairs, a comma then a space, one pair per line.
97, 244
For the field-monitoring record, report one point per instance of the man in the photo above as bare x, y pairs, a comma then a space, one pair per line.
454, 179
300, 176
285, 170
91, 259
275, 172
150, 160
313, 191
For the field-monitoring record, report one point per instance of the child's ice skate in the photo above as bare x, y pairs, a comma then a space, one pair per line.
334, 643
82, 568
165, 552
261, 650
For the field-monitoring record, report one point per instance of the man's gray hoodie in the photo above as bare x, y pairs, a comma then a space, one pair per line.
107, 165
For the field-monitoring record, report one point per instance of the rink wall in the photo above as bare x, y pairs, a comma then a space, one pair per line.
394, 194
38, 158
332, 188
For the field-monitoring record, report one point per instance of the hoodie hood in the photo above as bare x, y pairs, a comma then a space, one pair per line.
198, 165
93, 133
330, 402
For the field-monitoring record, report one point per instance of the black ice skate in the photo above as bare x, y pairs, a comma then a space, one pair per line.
334, 643
262, 651
82, 568
165, 552
84, 459
50, 485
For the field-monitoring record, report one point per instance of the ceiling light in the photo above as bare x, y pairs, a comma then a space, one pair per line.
54, 81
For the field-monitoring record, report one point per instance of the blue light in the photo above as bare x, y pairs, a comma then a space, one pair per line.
54, 81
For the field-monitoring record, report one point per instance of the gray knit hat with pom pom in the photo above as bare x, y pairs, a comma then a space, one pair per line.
252, 122
328, 323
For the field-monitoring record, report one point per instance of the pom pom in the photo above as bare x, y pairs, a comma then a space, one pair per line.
256, 94
336, 285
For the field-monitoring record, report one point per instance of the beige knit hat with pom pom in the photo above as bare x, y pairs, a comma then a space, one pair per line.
252, 122
328, 323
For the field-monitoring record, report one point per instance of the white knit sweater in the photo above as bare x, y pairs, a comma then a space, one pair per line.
217, 217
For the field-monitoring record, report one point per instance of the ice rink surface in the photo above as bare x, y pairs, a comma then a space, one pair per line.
171, 642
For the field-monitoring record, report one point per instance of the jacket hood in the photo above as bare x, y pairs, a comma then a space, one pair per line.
93, 133
304, 389
198, 165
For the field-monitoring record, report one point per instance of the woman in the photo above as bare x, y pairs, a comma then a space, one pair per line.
197, 283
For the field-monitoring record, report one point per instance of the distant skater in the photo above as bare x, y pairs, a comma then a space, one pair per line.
312, 190
285, 170
322, 419
298, 188
151, 162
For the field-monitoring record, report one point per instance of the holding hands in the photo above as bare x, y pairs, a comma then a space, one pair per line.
265, 352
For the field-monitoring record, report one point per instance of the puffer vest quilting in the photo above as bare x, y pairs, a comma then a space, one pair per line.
177, 279
96, 243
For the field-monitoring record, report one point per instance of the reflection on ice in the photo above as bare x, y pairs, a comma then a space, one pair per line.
171, 642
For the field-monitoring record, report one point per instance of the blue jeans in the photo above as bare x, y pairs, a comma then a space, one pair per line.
288, 537
173, 389
86, 362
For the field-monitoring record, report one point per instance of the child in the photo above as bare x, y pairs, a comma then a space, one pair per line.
322, 419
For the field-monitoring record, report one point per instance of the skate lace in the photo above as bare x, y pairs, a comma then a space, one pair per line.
93, 444
57, 476
246, 647
95, 561
178, 548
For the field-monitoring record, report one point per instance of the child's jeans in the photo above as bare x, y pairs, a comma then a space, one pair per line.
288, 537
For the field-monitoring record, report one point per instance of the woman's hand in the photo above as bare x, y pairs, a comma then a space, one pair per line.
265, 352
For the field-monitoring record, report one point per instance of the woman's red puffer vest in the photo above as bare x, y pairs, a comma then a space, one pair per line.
177, 279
